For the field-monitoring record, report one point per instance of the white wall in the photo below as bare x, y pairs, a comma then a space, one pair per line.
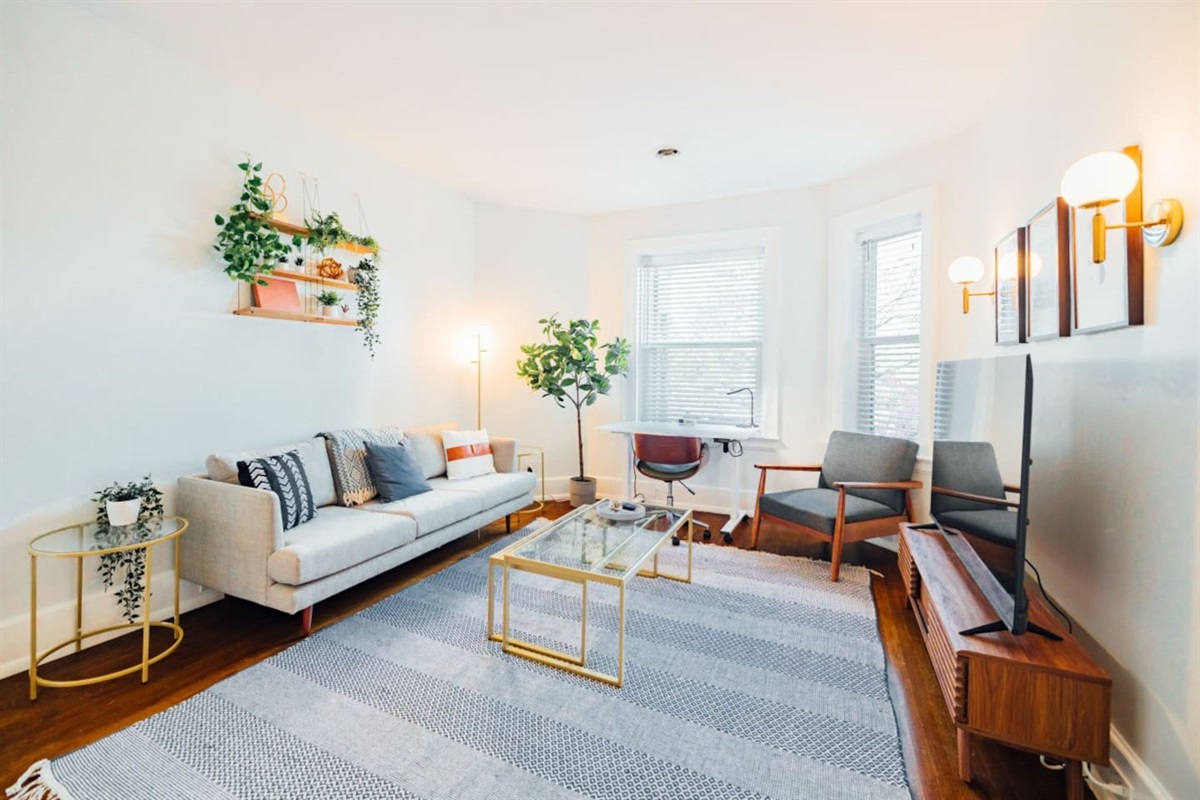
800, 219
119, 355
1114, 479
529, 265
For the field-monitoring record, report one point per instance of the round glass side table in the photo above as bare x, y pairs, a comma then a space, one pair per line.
86, 540
525, 451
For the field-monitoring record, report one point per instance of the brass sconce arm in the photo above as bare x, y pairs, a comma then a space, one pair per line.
968, 294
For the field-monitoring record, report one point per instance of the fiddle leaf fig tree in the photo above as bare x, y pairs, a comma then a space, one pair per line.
572, 366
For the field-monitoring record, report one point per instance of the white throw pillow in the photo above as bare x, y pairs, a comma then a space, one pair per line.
468, 454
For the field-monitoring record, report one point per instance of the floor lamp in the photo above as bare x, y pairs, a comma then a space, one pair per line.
478, 362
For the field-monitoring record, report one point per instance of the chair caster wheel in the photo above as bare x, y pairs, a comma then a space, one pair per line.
675, 541
728, 538
707, 534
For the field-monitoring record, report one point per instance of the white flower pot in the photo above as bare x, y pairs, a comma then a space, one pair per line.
330, 311
123, 512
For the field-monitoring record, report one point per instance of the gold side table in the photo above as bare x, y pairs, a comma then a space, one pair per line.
531, 451
80, 542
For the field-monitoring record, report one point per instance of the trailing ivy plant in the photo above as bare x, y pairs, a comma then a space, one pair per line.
366, 277
326, 231
247, 242
128, 565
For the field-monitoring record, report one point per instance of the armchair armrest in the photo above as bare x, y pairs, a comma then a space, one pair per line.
504, 453
791, 467
877, 484
977, 498
232, 531
1012, 487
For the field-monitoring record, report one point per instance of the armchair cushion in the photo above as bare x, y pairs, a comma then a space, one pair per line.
817, 508
996, 525
864, 457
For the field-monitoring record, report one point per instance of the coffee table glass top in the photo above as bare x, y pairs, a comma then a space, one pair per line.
92, 539
587, 542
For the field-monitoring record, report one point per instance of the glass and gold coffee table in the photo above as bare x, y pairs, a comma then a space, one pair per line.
584, 547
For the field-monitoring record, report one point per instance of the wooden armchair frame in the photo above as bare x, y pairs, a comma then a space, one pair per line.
842, 531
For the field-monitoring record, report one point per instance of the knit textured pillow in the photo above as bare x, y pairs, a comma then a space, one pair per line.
468, 454
284, 475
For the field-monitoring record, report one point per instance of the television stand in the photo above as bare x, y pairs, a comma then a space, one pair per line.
1047, 697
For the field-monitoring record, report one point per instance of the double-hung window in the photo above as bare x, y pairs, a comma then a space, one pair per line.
701, 330
887, 350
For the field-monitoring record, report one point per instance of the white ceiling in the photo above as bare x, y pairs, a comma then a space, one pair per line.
561, 105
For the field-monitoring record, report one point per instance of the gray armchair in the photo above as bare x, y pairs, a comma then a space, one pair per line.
969, 495
862, 492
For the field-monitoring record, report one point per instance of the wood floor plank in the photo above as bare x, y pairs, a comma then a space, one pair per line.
231, 635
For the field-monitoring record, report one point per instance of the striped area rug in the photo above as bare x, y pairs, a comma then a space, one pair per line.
760, 679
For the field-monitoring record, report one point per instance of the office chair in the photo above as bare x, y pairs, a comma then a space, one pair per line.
672, 459
863, 491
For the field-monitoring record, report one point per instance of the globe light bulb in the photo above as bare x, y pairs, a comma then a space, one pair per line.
966, 269
1099, 179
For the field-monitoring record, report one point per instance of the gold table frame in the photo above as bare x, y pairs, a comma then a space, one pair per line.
507, 562
80, 634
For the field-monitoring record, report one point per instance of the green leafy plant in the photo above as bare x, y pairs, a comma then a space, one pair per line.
247, 242
129, 565
329, 298
572, 366
366, 277
326, 231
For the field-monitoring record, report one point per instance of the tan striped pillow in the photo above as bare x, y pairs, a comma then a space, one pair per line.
468, 454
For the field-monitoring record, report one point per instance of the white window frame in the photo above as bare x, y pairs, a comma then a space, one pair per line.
845, 306
767, 407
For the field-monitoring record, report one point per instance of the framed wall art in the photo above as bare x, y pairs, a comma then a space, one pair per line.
1108, 295
1009, 259
1048, 272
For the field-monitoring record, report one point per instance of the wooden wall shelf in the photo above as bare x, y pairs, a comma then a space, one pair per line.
309, 278
294, 316
293, 229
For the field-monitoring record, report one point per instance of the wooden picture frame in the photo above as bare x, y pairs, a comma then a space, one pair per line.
1109, 295
1008, 259
1048, 272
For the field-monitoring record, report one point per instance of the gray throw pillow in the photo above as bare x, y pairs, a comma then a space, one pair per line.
394, 471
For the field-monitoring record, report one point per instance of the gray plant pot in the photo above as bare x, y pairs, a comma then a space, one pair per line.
583, 491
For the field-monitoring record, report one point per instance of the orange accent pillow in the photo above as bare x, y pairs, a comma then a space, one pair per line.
468, 454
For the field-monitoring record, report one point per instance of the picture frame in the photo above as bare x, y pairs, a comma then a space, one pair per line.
1008, 258
1048, 272
1109, 295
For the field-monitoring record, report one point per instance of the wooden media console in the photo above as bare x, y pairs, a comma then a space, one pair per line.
1025, 691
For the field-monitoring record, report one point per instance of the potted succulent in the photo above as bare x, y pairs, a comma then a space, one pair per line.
572, 366
329, 301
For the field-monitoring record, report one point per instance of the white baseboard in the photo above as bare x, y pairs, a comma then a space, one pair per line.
1133, 772
56, 622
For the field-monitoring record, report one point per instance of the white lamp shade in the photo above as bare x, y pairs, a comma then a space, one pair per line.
966, 269
1098, 179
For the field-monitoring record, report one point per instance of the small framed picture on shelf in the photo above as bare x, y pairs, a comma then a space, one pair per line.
1048, 272
1108, 295
1009, 257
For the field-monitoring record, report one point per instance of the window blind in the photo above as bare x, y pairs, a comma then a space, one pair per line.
943, 400
700, 329
887, 400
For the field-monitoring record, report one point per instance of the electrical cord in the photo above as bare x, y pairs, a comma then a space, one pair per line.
1061, 613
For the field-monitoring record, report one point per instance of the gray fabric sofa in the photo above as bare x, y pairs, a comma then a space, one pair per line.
236, 542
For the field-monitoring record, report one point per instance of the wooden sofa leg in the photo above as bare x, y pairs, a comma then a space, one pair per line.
508, 523
306, 621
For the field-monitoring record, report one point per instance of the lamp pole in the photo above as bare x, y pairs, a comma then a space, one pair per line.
479, 351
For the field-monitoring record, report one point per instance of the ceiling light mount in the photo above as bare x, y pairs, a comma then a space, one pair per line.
666, 152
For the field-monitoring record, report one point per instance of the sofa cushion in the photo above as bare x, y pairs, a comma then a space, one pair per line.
337, 539
427, 447
284, 475
223, 466
432, 510
394, 471
468, 454
494, 489
817, 508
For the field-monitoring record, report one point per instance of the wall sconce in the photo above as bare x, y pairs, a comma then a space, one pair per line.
1105, 178
966, 270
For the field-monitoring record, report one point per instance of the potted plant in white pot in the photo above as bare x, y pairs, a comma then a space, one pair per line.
572, 366
117, 528
329, 301
121, 505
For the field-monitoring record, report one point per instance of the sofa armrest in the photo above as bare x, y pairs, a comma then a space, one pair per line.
232, 531
504, 453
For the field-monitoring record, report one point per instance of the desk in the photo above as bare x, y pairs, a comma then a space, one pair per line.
714, 433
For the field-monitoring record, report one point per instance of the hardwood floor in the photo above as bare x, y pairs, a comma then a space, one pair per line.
230, 635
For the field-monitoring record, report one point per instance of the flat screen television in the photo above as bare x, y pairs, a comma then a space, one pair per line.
980, 495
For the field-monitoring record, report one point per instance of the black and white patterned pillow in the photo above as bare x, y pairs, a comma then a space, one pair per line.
284, 475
